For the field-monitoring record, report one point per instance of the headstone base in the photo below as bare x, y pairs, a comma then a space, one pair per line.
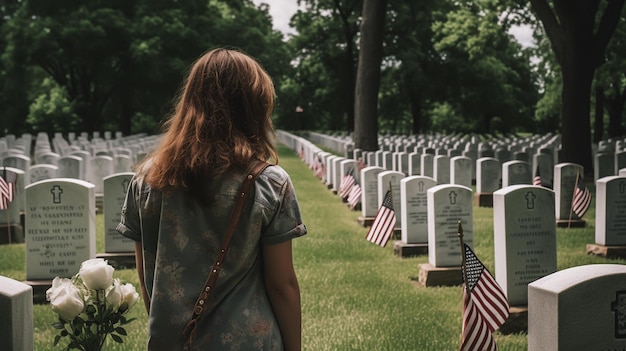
517, 321
409, 250
430, 275
11, 234
612, 251
483, 200
356, 208
365, 221
39, 290
119, 260
574, 223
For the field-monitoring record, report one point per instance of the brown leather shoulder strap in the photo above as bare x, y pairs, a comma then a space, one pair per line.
201, 304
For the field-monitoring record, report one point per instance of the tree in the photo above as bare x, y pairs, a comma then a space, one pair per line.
325, 56
579, 45
489, 82
368, 75
610, 82
118, 64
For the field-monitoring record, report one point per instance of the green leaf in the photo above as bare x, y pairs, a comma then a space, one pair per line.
117, 338
121, 331
57, 339
58, 325
91, 309
64, 332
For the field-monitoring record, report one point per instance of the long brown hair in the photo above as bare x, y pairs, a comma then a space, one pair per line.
222, 120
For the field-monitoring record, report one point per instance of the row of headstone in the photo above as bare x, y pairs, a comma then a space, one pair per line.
92, 161
579, 308
415, 155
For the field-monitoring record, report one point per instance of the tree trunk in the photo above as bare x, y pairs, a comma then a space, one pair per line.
576, 126
416, 113
368, 75
599, 115
579, 44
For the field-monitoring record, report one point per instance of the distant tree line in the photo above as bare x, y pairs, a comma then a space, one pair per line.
446, 66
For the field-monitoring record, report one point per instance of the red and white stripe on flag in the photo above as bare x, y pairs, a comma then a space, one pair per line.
355, 196
346, 186
384, 223
582, 199
485, 306
6, 193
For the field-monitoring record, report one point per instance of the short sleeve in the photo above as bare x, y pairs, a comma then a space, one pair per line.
130, 225
286, 224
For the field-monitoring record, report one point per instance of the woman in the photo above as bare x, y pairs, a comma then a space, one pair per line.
178, 206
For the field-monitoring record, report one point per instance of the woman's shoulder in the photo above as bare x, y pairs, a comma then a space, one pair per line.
276, 174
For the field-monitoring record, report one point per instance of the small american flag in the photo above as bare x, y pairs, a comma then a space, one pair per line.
346, 184
537, 178
485, 306
384, 222
582, 197
319, 168
355, 196
7, 190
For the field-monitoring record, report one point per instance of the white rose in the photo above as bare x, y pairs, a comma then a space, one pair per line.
129, 296
65, 299
96, 273
114, 295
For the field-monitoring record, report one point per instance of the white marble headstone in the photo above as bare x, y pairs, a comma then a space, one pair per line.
516, 172
16, 309
369, 193
385, 180
578, 308
414, 211
60, 227
524, 238
461, 171
565, 175
447, 205
115, 188
488, 174
611, 211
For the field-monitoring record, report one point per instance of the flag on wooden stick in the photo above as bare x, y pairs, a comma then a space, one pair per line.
7, 190
485, 306
355, 196
384, 222
347, 183
582, 197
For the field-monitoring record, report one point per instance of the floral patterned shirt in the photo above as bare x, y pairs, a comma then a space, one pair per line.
181, 233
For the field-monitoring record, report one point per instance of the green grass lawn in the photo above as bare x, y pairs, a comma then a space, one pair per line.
355, 295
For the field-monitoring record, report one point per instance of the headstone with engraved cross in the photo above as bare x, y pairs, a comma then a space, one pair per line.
578, 308
448, 206
524, 238
60, 227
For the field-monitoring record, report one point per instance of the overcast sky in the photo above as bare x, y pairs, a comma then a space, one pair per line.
282, 10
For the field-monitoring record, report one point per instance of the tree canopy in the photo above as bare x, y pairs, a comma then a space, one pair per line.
445, 66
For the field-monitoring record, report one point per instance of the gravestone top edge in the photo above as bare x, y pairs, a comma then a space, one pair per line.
510, 188
444, 186
84, 183
609, 179
12, 287
564, 279
118, 175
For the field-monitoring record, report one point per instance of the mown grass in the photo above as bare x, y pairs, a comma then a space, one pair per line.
355, 295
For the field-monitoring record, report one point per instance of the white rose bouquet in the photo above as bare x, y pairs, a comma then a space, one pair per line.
91, 306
